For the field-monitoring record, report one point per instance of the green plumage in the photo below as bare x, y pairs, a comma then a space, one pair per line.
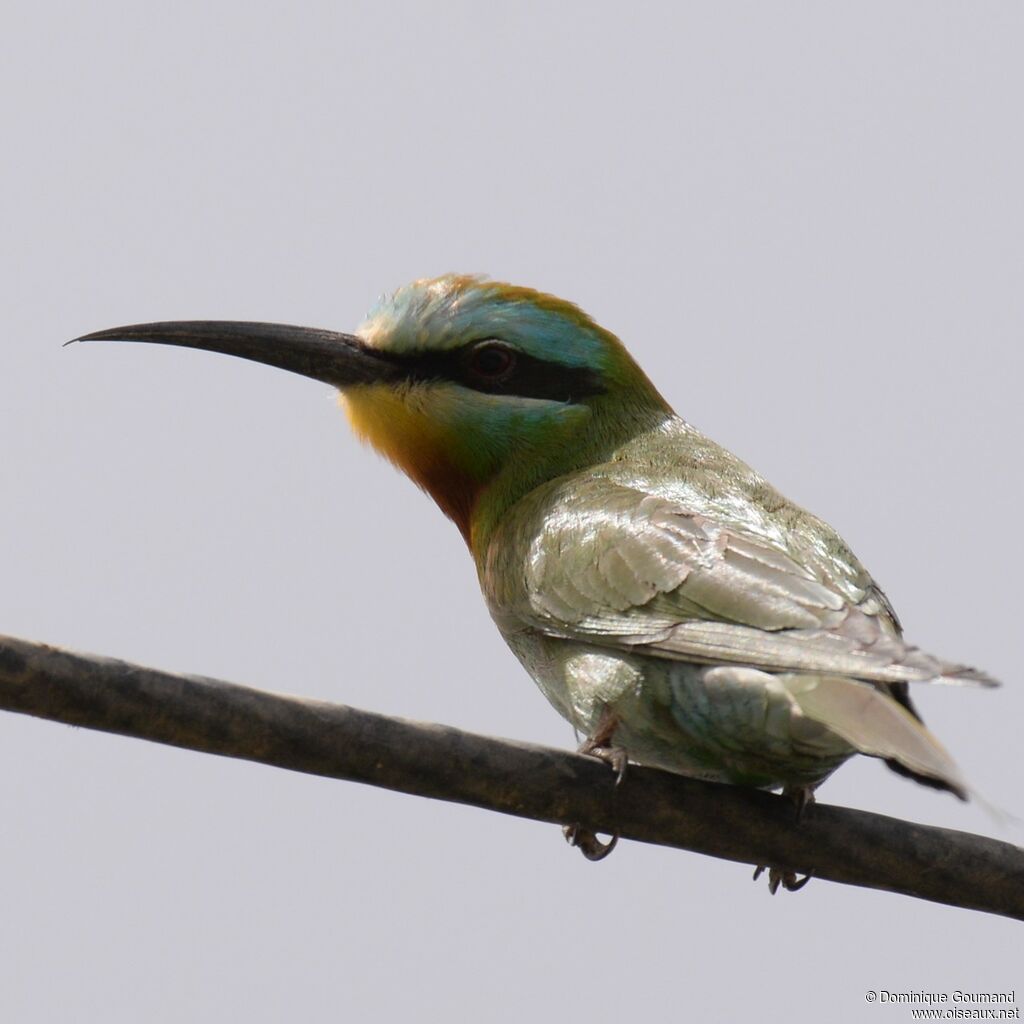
734, 635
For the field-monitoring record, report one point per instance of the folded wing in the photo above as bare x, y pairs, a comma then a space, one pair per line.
622, 568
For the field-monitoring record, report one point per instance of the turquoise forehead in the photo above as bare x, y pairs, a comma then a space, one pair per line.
450, 311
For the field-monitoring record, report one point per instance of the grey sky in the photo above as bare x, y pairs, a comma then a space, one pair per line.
806, 221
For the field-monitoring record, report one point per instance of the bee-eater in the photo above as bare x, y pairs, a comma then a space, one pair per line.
666, 599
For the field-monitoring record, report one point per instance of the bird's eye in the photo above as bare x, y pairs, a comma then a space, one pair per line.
492, 360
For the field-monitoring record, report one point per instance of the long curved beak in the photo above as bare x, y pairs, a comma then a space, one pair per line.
339, 359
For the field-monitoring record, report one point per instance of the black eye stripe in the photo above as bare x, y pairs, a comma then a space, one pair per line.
528, 378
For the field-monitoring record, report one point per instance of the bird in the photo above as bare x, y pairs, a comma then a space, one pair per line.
667, 600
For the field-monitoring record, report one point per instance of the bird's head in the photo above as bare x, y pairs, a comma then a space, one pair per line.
470, 386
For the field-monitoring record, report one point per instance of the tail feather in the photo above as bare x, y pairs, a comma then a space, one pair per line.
875, 723
924, 780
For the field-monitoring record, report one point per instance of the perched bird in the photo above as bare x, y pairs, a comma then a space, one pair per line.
667, 600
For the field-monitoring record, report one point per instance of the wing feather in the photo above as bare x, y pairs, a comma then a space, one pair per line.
622, 568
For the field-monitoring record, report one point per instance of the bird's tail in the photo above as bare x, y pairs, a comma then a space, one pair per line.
875, 724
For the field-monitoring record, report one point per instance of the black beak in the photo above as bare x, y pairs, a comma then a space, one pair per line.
339, 359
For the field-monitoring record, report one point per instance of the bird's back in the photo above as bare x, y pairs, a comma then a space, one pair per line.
673, 464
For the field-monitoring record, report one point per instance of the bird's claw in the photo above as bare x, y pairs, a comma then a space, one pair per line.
599, 744
615, 756
787, 879
587, 842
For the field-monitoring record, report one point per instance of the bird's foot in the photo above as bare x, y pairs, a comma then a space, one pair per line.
600, 744
615, 756
801, 797
778, 876
587, 842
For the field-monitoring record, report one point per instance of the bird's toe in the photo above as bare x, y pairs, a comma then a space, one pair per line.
587, 842
788, 880
615, 756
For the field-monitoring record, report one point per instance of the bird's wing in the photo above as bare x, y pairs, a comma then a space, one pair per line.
618, 567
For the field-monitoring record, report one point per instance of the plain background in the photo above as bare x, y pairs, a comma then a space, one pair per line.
806, 221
